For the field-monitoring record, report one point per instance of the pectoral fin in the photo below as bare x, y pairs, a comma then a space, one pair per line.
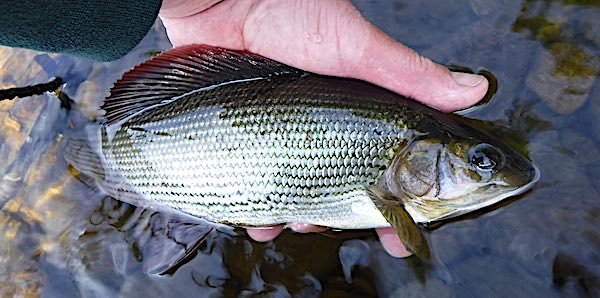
394, 212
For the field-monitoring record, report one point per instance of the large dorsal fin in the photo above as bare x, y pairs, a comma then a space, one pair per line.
184, 70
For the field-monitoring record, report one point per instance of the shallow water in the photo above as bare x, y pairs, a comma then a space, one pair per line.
59, 239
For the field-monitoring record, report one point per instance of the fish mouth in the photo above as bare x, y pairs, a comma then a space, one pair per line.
421, 217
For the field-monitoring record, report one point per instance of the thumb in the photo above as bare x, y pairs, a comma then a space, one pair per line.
390, 64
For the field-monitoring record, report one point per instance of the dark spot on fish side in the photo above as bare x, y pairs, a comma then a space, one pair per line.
237, 123
135, 128
162, 133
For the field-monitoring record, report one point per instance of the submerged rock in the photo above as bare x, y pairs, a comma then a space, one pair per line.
563, 75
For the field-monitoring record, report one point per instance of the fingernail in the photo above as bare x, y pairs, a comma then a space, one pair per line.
467, 79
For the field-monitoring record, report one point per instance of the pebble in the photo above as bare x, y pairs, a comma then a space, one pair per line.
563, 75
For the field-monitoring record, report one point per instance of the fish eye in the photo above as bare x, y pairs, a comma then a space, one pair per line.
486, 157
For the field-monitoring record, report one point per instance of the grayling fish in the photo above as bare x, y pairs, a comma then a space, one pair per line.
239, 139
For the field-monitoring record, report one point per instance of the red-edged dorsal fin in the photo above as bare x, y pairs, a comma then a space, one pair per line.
183, 70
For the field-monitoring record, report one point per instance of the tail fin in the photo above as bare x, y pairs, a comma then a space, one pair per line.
82, 146
82, 149
82, 157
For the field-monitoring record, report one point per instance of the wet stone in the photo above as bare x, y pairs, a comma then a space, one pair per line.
563, 75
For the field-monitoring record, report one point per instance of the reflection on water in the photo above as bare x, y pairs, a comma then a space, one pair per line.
61, 239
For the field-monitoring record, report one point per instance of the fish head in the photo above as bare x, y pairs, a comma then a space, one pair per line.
443, 177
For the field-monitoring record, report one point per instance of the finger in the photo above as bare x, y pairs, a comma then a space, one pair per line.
264, 234
391, 243
390, 64
305, 228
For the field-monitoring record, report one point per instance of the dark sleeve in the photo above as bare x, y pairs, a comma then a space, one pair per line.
101, 30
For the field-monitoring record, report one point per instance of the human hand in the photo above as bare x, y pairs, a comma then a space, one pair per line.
325, 37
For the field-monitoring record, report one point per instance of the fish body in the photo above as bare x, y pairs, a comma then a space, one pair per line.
260, 153
238, 139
